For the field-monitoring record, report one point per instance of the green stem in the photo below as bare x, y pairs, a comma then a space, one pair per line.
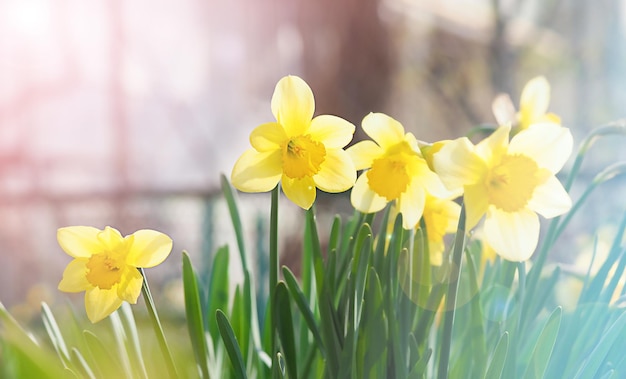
158, 329
453, 287
273, 263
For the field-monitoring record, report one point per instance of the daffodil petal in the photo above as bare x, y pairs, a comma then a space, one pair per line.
384, 130
130, 288
100, 303
513, 235
257, 172
363, 153
267, 137
550, 199
111, 238
535, 99
549, 144
74, 276
149, 248
301, 191
476, 204
364, 199
293, 105
494, 145
337, 172
334, 132
457, 165
503, 109
79, 241
411, 205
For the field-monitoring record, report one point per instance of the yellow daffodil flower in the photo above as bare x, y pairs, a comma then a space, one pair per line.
441, 217
510, 182
533, 107
298, 150
105, 265
396, 171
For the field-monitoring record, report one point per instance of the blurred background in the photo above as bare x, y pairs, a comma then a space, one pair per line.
125, 113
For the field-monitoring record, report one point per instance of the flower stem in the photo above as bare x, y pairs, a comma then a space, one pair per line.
273, 263
158, 329
453, 287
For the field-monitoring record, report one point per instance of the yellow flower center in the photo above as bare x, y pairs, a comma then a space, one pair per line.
105, 270
302, 157
511, 183
389, 175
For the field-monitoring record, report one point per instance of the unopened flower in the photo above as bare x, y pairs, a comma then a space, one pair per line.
510, 182
395, 171
302, 152
105, 265
533, 107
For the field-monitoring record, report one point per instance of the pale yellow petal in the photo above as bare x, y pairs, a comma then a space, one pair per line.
476, 204
411, 205
130, 288
550, 199
534, 100
513, 235
432, 183
457, 165
257, 172
363, 153
549, 144
268, 137
101, 303
293, 105
337, 172
79, 241
334, 132
503, 109
74, 276
111, 238
495, 145
364, 199
149, 248
384, 130
301, 191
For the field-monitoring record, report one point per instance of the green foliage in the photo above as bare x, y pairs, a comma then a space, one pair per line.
368, 305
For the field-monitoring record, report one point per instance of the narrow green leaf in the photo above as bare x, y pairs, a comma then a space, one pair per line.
593, 362
232, 347
193, 311
27, 357
105, 363
218, 289
82, 364
132, 343
498, 358
362, 251
543, 348
52, 328
302, 303
284, 324
419, 368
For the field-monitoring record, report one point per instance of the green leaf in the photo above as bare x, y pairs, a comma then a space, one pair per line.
593, 362
52, 328
543, 348
419, 368
218, 290
232, 347
284, 324
132, 340
193, 311
105, 363
82, 364
498, 358
302, 303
